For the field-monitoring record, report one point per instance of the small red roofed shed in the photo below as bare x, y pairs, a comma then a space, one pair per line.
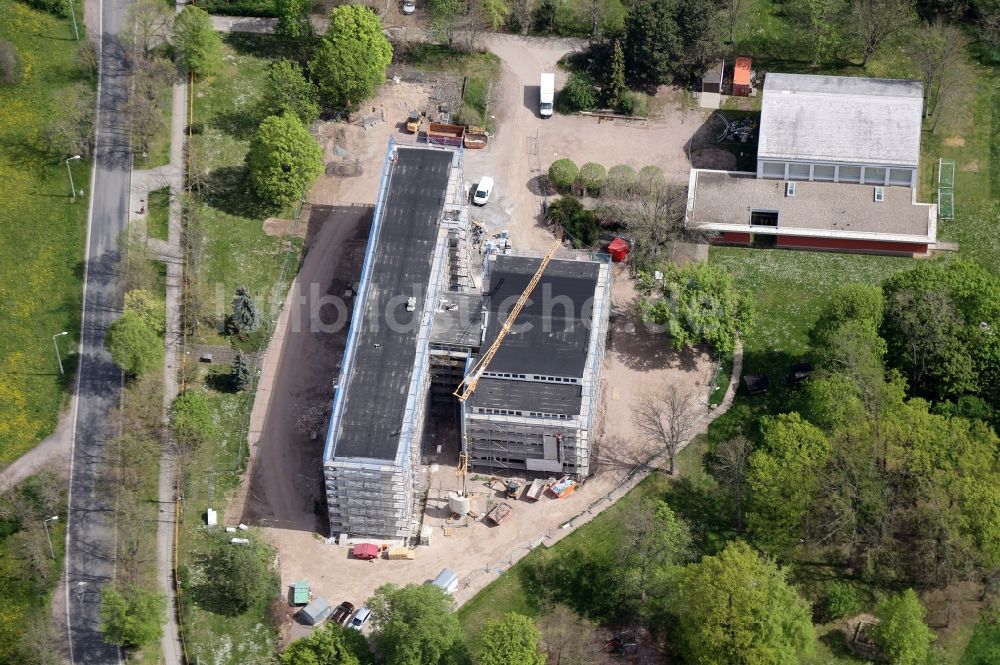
741, 77
366, 551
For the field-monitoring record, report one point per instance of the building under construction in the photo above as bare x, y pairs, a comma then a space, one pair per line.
419, 321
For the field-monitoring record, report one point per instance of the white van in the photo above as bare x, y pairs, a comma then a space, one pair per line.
483, 191
446, 580
546, 94
360, 617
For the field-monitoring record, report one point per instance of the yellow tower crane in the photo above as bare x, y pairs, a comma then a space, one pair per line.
468, 385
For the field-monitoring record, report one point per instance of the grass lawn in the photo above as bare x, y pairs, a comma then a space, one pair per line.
234, 250
157, 213
211, 475
41, 247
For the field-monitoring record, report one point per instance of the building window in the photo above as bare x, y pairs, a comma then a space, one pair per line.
763, 218
790, 189
879, 194
900, 177
824, 172
874, 175
798, 171
849, 174
773, 170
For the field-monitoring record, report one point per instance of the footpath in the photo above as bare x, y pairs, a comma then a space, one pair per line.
171, 253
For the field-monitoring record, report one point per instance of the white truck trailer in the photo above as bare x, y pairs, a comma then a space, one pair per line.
546, 94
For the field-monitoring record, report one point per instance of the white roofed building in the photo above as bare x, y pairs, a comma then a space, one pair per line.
840, 129
845, 153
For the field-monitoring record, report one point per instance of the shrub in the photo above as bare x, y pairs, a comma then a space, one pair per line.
191, 419
635, 103
234, 578
134, 346
841, 599
133, 618
11, 70
621, 179
591, 178
57, 7
578, 222
563, 173
651, 179
579, 94
198, 46
147, 307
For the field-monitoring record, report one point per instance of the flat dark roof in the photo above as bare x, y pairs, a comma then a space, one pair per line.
526, 396
402, 256
551, 335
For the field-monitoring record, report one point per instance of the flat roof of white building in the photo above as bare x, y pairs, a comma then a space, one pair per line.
841, 119
722, 201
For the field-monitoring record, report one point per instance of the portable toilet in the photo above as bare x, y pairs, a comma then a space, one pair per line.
300, 592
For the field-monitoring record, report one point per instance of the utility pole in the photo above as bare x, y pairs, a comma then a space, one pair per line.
72, 188
56, 345
54, 518
72, 13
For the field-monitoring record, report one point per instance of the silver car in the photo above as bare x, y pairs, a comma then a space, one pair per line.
409, 6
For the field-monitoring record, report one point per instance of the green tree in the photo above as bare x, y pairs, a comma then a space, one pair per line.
11, 69
198, 46
352, 59
241, 374
578, 222
512, 640
246, 317
579, 94
563, 173
287, 90
415, 625
852, 302
784, 474
233, 578
901, 632
652, 39
874, 22
149, 308
191, 420
941, 319
132, 619
616, 78
293, 19
284, 160
591, 178
445, 19
700, 304
329, 645
737, 608
133, 345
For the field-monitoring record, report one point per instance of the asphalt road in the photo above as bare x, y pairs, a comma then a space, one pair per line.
90, 546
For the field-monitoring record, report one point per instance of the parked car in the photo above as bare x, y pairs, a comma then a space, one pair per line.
409, 6
360, 618
343, 613
483, 191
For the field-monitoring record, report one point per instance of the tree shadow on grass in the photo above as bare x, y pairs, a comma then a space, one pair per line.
706, 509
229, 190
239, 123
264, 46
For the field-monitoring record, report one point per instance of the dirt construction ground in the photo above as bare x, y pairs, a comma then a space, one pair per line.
283, 490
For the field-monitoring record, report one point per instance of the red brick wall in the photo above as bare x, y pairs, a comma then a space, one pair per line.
731, 238
851, 245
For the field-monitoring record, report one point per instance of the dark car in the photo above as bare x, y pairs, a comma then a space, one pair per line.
342, 613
